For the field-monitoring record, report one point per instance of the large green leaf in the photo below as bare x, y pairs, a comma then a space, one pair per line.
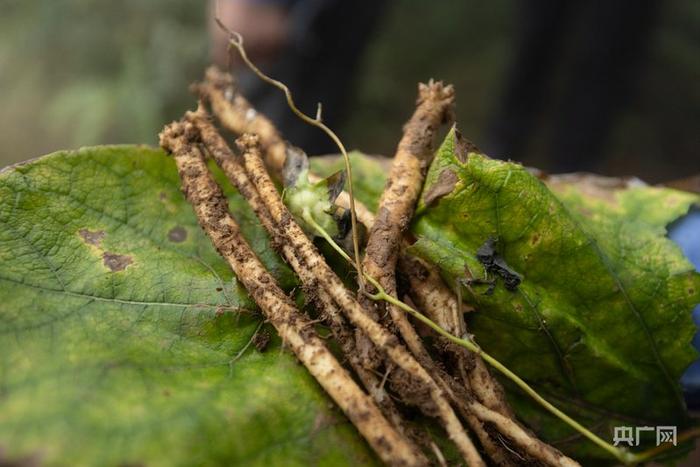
122, 331
601, 322
120, 327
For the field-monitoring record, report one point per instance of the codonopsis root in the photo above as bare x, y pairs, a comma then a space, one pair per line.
211, 207
229, 163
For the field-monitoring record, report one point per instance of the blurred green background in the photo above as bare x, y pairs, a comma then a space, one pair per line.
83, 72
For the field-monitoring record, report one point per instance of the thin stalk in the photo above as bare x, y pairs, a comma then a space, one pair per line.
236, 41
621, 454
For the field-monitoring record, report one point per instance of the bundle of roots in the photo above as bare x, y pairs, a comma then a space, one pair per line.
388, 371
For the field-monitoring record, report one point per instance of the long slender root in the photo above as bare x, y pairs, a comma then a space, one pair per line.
405, 182
403, 186
385, 341
238, 116
518, 435
236, 174
211, 208
397, 202
235, 112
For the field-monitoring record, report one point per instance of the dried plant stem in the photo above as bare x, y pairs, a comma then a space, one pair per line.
224, 157
380, 337
211, 208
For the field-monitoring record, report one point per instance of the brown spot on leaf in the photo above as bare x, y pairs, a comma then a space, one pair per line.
463, 147
177, 234
116, 262
90, 237
443, 186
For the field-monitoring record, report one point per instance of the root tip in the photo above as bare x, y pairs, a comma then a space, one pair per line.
248, 141
436, 91
218, 78
170, 132
194, 115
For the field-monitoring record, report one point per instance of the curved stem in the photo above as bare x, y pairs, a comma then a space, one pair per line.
621, 454
236, 41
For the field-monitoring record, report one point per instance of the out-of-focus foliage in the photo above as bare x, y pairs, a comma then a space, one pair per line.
80, 72
470, 44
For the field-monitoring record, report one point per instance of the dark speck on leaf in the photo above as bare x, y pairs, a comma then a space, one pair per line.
487, 251
177, 234
92, 237
116, 262
494, 263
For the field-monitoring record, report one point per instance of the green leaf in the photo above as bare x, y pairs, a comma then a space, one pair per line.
601, 323
122, 332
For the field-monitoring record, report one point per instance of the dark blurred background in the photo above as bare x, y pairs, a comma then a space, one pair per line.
561, 85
